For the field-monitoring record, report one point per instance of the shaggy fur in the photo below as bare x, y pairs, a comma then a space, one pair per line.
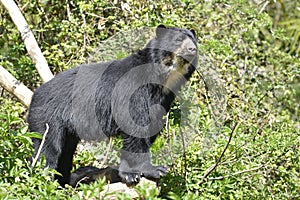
126, 97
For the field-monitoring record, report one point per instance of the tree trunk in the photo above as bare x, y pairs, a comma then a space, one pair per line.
29, 40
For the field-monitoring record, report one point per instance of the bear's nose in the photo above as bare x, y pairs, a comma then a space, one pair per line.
192, 49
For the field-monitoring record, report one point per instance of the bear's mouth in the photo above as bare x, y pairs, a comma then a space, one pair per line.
187, 58
177, 62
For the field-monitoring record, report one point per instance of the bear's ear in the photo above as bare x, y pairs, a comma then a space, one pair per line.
193, 32
160, 30
161, 26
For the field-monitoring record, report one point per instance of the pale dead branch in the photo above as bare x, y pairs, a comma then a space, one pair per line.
40, 147
13, 86
29, 40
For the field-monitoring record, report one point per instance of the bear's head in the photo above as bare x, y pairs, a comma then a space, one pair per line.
175, 49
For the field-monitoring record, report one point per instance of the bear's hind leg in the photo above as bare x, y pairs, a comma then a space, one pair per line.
58, 149
64, 165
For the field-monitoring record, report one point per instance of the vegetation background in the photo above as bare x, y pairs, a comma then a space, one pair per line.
244, 124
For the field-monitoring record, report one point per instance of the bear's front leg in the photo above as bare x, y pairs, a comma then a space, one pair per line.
136, 161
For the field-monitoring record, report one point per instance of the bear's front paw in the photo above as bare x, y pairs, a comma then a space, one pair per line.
156, 172
130, 178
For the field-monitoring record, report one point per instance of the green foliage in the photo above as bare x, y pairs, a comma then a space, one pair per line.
18, 179
286, 16
249, 74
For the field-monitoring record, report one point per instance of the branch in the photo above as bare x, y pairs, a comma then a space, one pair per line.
236, 173
29, 40
264, 6
40, 147
13, 86
108, 150
184, 153
210, 169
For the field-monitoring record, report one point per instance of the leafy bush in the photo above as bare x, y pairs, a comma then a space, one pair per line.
18, 179
248, 77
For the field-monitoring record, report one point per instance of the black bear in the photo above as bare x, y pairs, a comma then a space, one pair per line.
126, 97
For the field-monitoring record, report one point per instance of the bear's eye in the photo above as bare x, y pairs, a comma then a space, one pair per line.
179, 39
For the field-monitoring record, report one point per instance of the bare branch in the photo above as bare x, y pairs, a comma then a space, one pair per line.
236, 173
29, 40
264, 6
184, 153
108, 150
40, 147
213, 167
12, 85
169, 141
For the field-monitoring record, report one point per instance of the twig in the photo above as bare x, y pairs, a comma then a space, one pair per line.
2, 92
202, 77
40, 147
236, 173
83, 179
169, 140
264, 7
184, 152
263, 96
108, 149
68, 10
206, 89
210, 169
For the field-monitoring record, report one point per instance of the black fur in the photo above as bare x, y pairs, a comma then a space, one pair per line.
127, 97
